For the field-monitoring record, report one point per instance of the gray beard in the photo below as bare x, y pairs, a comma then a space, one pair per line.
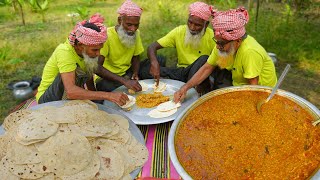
193, 40
226, 59
127, 40
91, 64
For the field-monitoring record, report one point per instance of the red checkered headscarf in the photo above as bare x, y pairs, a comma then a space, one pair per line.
201, 10
230, 25
88, 36
128, 8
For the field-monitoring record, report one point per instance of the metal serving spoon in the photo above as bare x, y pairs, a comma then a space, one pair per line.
274, 90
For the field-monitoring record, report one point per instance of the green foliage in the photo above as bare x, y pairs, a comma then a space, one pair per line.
39, 6
225, 4
15, 61
5, 2
89, 2
83, 11
4, 52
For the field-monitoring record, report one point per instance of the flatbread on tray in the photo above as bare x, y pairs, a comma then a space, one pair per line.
90, 144
160, 88
167, 106
131, 102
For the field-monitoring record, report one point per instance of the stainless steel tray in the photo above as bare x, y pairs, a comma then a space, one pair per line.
139, 115
314, 111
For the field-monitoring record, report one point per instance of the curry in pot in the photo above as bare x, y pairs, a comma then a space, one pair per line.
225, 138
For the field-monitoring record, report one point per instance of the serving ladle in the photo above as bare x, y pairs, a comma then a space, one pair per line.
274, 90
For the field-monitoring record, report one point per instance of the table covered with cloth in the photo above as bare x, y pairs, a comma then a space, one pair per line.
159, 165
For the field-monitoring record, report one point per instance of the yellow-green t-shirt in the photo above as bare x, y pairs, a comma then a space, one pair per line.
64, 59
251, 60
117, 56
187, 54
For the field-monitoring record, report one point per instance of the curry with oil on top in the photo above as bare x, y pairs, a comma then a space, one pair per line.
226, 138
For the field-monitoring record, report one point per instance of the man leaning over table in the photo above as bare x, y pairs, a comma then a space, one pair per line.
236, 53
73, 64
193, 43
120, 54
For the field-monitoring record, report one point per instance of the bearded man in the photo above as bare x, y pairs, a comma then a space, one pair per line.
73, 64
193, 43
120, 54
236, 52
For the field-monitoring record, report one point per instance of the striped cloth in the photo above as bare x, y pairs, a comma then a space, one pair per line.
230, 25
88, 36
129, 8
201, 10
159, 165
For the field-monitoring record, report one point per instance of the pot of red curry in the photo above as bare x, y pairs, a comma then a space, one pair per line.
222, 136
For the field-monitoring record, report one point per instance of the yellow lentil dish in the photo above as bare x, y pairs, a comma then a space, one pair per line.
225, 138
151, 100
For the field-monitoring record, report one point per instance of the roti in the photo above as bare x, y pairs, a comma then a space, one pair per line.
131, 102
66, 153
14, 119
35, 128
161, 114
111, 163
87, 173
4, 170
21, 154
144, 86
167, 106
160, 88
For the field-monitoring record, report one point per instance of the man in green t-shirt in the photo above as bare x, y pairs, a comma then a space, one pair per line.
73, 64
193, 43
120, 54
236, 52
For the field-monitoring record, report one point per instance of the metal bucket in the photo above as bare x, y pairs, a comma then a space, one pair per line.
314, 111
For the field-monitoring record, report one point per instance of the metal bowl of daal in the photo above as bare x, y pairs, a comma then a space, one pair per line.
313, 110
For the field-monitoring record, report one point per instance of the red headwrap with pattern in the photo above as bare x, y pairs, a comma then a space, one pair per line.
128, 8
88, 36
201, 10
230, 25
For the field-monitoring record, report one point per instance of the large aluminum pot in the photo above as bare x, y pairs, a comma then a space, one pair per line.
314, 111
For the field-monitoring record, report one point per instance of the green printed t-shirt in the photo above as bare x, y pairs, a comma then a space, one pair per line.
117, 56
64, 59
251, 60
186, 54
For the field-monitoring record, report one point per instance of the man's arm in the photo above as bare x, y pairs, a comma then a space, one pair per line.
253, 81
135, 64
75, 92
152, 55
90, 84
106, 74
196, 79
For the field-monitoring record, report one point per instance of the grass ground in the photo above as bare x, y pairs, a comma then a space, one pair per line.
24, 50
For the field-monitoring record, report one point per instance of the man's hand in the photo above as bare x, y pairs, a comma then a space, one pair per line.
155, 71
180, 94
135, 77
119, 98
133, 84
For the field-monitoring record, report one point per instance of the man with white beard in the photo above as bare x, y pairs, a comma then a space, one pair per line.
120, 54
193, 43
73, 64
236, 54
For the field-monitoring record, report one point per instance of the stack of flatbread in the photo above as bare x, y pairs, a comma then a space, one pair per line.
164, 109
75, 141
